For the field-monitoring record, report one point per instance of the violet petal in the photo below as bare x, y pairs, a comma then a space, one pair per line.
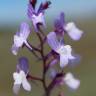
23, 64
53, 41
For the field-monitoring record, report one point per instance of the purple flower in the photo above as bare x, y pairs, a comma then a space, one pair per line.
37, 17
20, 38
70, 28
20, 76
63, 50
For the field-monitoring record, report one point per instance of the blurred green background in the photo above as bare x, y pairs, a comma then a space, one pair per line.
86, 47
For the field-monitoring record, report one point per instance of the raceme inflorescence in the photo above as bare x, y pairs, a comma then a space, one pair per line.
60, 52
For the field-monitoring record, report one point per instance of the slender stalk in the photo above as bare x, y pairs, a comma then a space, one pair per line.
44, 62
33, 50
34, 78
54, 82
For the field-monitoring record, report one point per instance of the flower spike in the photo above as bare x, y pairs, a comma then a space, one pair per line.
60, 52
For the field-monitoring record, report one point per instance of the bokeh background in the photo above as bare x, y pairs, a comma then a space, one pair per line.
82, 12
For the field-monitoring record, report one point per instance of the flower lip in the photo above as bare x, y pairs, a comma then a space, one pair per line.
65, 55
71, 82
38, 17
73, 32
20, 79
18, 41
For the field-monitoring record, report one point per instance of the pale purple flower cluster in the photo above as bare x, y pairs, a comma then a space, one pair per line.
60, 51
